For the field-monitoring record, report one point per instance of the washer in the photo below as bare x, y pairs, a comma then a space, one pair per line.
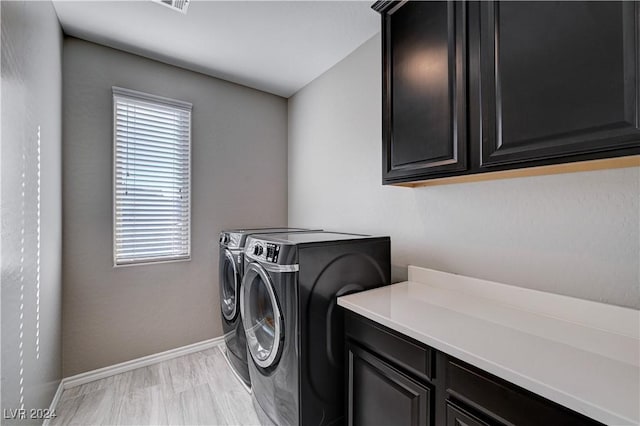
294, 328
231, 262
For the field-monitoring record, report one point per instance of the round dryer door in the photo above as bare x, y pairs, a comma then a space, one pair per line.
229, 286
261, 316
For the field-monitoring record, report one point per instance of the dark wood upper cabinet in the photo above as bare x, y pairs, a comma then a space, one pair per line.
557, 78
424, 66
476, 87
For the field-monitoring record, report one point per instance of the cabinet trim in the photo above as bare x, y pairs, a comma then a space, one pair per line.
505, 402
581, 166
411, 356
455, 413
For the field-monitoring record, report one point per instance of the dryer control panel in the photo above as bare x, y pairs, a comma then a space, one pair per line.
273, 250
266, 252
270, 251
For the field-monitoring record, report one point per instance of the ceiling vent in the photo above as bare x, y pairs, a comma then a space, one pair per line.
179, 5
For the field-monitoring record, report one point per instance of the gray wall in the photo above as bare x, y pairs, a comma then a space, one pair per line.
574, 234
31, 97
239, 179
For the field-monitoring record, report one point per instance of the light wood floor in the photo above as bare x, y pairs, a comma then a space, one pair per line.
196, 389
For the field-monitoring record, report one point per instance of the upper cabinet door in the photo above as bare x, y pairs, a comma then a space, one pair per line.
424, 88
557, 79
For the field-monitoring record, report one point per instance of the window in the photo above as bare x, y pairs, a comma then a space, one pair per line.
152, 173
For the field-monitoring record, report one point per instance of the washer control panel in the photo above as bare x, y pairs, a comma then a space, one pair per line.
230, 240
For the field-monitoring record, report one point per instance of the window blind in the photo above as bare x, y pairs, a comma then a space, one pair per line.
152, 173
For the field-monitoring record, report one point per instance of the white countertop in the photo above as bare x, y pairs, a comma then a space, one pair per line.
581, 354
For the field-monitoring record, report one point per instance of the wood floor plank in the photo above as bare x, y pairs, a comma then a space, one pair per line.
143, 406
145, 377
96, 408
185, 373
200, 408
66, 410
210, 351
236, 405
196, 389
175, 413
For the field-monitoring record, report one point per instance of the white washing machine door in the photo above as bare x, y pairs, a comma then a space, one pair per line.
229, 286
261, 316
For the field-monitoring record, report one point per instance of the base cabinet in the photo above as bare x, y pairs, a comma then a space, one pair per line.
379, 394
456, 416
386, 386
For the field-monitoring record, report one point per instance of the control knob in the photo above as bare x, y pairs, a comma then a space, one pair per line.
258, 249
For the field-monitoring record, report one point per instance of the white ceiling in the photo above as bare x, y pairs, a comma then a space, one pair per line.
275, 46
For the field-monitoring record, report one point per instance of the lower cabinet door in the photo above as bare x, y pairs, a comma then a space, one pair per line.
458, 417
379, 394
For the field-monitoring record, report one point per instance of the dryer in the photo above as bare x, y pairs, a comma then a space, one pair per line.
231, 262
293, 326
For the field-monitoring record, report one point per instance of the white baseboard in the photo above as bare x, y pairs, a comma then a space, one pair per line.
54, 401
112, 370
